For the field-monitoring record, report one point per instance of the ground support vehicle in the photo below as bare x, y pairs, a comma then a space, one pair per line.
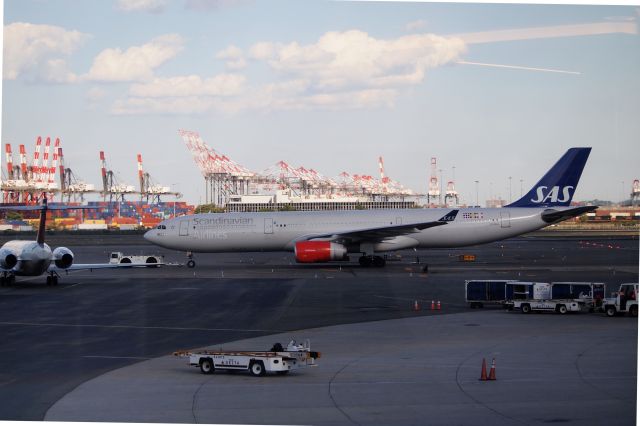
119, 257
495, 292
278, 360
559, 306
625, 301
590, 295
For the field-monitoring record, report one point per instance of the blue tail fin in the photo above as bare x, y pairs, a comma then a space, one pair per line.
556, 188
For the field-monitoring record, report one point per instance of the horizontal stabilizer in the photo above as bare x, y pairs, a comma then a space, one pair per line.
553, 216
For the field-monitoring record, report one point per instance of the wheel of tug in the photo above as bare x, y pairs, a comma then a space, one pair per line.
610, 311
562, 309
49, 280
206, 366
151, 260
191, 263
257, 368
526, 308
378, 261
633, 311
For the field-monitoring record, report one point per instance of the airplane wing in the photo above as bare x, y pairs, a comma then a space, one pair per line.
382, 233
91, 266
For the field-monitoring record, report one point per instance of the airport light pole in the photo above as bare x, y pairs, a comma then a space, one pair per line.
520, 187
477, 192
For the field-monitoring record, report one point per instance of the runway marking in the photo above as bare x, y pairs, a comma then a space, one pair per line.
135, 327
114, 357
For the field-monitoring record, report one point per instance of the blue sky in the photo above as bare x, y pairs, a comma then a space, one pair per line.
329, 85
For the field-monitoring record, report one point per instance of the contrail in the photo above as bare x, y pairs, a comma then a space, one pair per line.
518, 67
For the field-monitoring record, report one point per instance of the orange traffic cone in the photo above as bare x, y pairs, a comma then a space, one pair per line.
433, 305
416, 306
438, 306
483, 374
492, 372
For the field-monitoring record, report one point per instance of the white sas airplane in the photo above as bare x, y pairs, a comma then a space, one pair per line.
34, 258
331, 235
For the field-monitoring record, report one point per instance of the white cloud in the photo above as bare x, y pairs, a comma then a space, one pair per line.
150, 6
355, 59
233, 56
342, 70
137, 63
37, 50
192, 85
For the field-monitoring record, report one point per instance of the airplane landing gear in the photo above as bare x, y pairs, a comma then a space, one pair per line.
377, 261
7, 279
52, 278
190, 263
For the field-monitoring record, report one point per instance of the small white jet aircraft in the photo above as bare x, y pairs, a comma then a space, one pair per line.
330, 235
34, 258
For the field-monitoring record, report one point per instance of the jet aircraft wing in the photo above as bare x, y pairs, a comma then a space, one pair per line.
91, 266
382, 233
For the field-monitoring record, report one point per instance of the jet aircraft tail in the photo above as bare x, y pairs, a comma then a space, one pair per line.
557, 186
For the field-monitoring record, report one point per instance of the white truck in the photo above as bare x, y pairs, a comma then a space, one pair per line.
278, 360
542, 301
625, 301
119, 257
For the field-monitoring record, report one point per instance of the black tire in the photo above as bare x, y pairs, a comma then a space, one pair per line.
125, 260
525, 308
610, 311
191, 263
365, 261
206, 366
633, 311
256, 368
152, 260
49, 280
562, 309
379, 261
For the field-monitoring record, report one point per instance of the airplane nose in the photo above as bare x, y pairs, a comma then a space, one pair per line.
150, 235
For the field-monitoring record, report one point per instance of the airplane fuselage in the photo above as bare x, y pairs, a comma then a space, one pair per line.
279, 231
33, 258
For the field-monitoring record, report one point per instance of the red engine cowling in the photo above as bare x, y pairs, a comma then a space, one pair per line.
319, 251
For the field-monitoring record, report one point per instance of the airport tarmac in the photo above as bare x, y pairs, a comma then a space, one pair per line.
62, 345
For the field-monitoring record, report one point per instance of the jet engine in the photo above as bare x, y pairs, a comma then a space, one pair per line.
63, 257
319, 251
8, 259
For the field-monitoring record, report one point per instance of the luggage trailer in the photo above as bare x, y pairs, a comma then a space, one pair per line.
278, 360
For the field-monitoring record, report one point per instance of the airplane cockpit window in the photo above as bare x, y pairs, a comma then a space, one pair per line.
161, 227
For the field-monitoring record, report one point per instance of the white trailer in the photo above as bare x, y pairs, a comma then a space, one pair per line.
278, 360
119, 257
559, 306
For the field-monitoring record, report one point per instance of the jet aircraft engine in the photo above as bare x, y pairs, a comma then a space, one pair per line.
8, 259
63, 257
319, 251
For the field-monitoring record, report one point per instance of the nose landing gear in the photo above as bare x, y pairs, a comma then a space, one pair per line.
190, 263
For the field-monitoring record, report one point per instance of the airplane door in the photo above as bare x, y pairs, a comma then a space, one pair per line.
505, 220
268, 226
398, 221
184, 228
